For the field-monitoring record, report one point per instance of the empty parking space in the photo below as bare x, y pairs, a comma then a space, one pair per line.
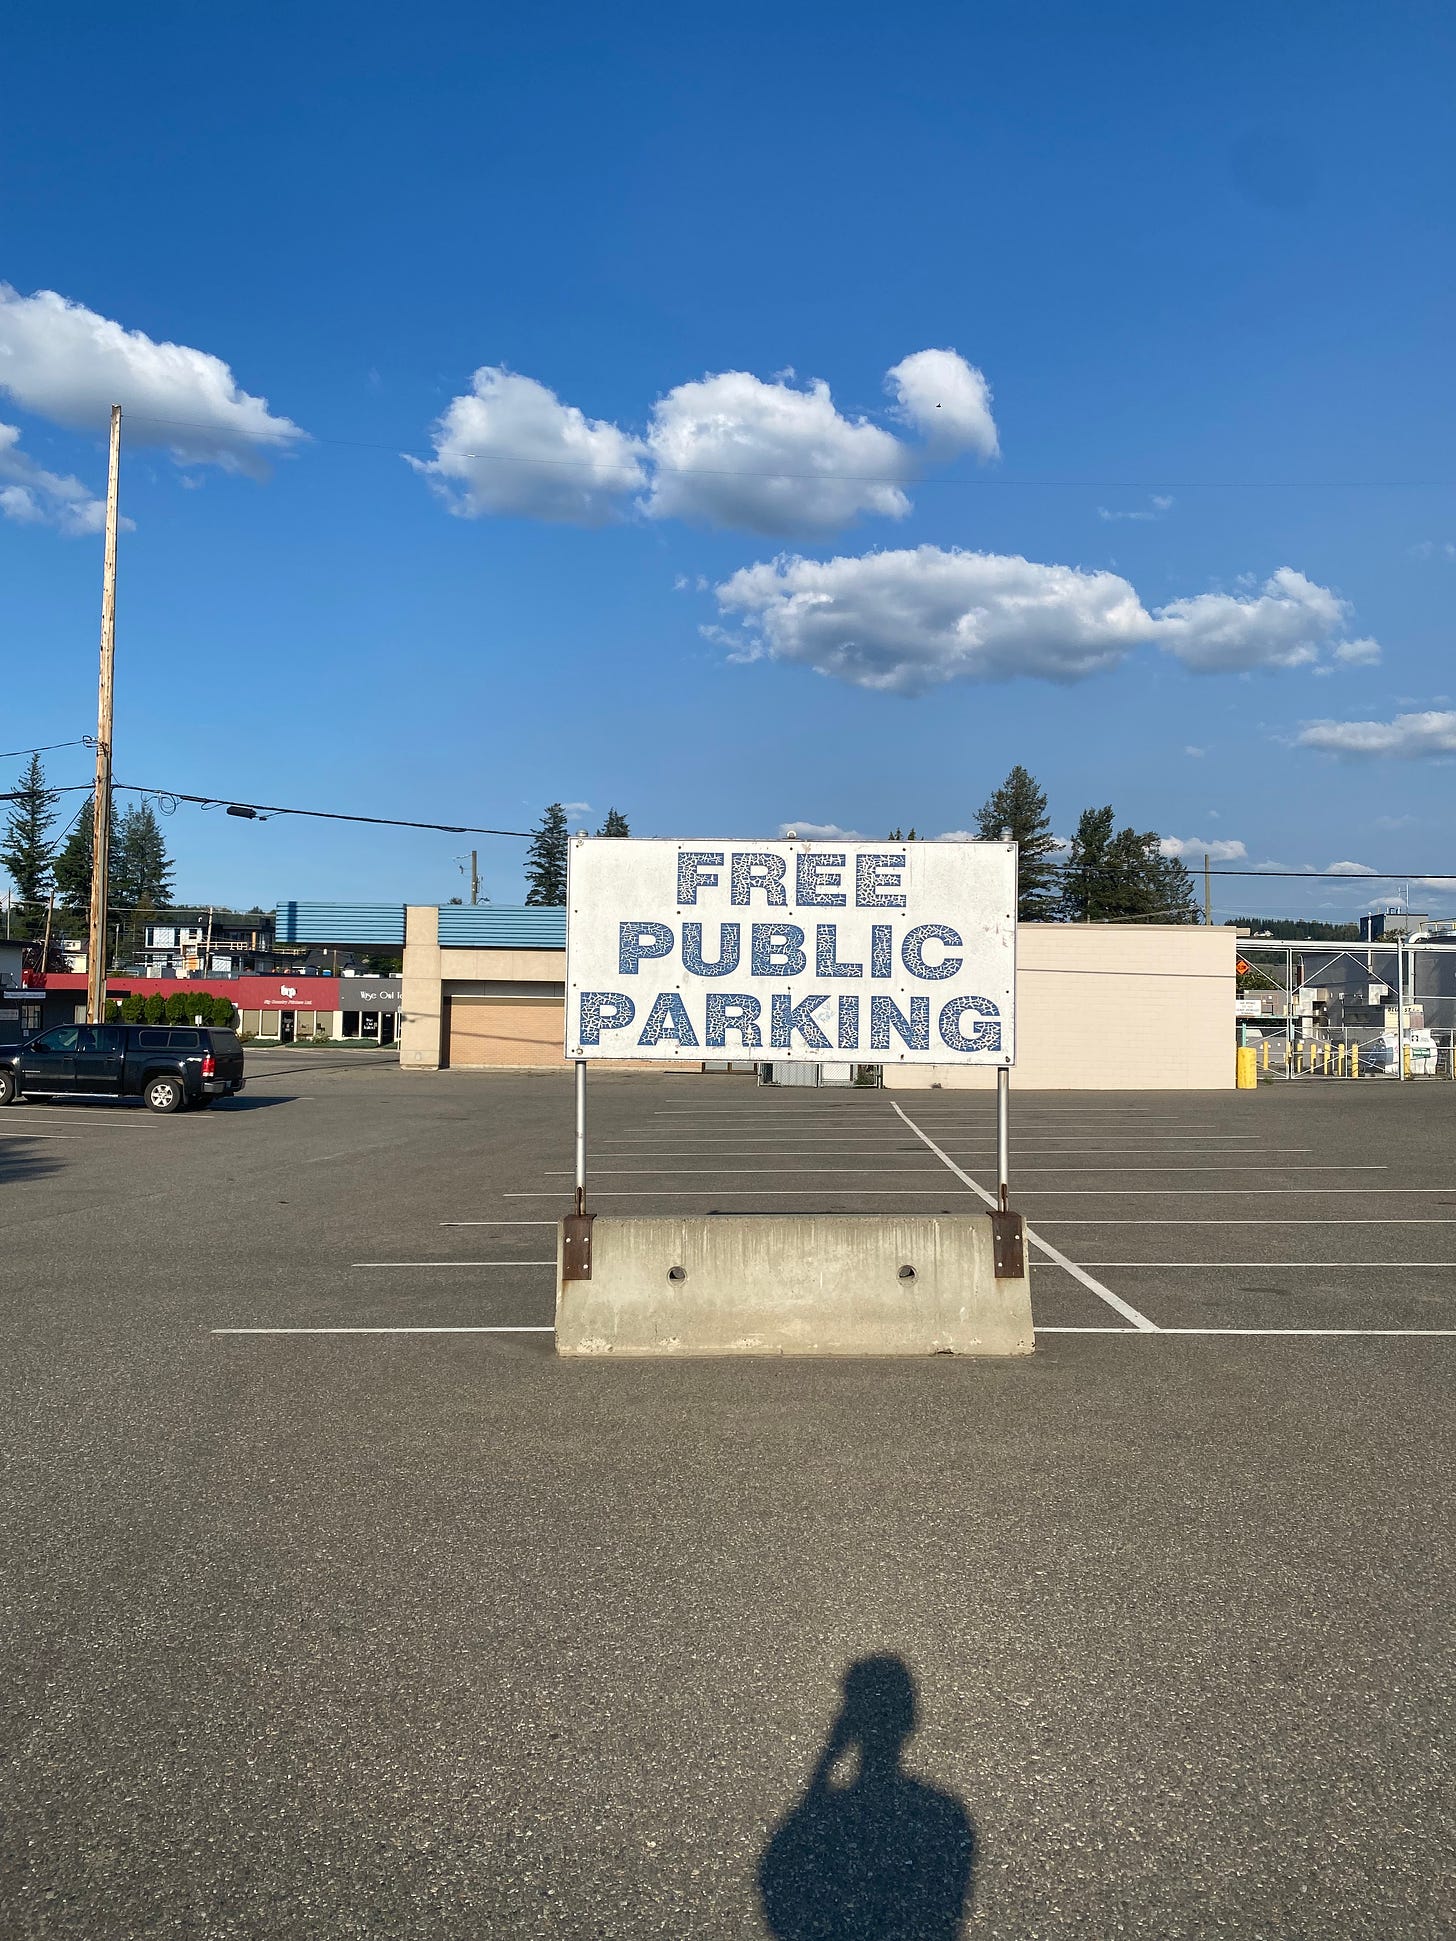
486, 1642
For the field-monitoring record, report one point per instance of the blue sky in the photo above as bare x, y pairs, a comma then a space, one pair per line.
1186, 484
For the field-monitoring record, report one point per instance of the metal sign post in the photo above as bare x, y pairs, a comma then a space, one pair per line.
576, 1228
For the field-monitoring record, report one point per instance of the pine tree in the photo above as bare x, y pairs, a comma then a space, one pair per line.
1086, 874
1018, 812
546, 860
1118, 875
141, 868
25, 852
73, 866
615, 824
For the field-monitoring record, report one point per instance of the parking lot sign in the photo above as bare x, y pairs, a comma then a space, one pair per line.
883, 953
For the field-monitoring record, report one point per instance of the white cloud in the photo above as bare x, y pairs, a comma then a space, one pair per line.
728, 449
958, 835
1349, 869
512, 447
1288, 622
1358, 653
946, 400
1157, 507
32, 496
905, 621
1433, 549
70, 365
820, 832
577, 808
733, 451
1408, 737
1193, 848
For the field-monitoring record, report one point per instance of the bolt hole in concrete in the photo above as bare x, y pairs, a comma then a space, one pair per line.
907, 1273
677, 1275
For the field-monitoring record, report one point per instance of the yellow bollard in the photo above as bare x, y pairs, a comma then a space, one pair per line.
1354, 1061
1407, 1062
1340, 1062
1327, 1057
1246, 1070
1266, 1055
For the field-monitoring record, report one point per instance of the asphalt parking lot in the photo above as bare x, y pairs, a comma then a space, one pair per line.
420, 1632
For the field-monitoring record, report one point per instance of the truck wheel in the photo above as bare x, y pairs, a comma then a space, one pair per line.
163, 1093
8, 1088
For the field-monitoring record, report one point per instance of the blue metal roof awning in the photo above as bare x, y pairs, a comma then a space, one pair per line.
500, 926
504, 926
341, 923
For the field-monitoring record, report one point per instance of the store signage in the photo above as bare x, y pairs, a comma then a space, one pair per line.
885, 953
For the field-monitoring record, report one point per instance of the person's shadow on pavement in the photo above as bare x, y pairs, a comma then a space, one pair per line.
882, 1856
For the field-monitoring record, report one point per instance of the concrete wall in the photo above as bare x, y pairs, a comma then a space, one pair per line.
421, 991
814, 1284
1112, 1007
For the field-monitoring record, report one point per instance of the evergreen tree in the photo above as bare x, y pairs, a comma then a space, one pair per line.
615, 824
1086, 874
1018, 812
901, 835
25, 852
1118, 875
73, 866
546, 860
141, 868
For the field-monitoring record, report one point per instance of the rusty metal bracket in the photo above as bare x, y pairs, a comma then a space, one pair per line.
1008, 1245
576, 1246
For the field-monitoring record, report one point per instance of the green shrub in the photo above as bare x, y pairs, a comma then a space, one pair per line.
133, 1008
224, 1012
154, 1011
113, 1010
181, 1007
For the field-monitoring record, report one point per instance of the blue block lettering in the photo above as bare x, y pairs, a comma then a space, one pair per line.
985, 1036
826, 953
668, 1019
877, 877
886, 1015
912, 951
636, 941
786, 1018
849, 1024
758, 869
696, 869
730, 946
778, 950
817, 876
730, 1012
603, 1011
882, 963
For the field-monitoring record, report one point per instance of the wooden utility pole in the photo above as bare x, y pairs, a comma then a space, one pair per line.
1207, 893
101, 807
45, 949
474, 879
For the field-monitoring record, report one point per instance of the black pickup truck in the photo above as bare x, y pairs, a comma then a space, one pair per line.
169, 1067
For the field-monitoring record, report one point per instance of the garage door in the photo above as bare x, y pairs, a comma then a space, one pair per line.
507, 1030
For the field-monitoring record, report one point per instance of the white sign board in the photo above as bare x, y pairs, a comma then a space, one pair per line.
874, 953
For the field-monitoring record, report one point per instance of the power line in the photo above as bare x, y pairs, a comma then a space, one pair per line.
11, 754
251, 809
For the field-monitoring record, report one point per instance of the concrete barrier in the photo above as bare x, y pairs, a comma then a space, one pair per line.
784, 1284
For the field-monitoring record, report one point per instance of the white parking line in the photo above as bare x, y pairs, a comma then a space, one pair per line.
511, 1223
546, 1328
452, 1263
1256, 1333
882, 1172
1387, 1266
1114, 1301
1271, 1220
